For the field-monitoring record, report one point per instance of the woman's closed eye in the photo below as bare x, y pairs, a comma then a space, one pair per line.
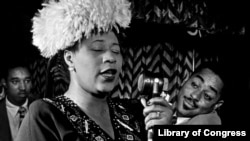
116, 49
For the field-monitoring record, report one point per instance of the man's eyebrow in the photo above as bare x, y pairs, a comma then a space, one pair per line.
201, 78
28, 77
16, 78
212, 88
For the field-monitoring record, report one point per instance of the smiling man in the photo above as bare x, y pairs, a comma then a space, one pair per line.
200, 96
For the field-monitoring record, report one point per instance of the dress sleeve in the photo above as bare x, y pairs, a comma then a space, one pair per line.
44, 122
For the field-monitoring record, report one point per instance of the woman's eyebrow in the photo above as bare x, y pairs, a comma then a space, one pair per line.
102, 40
98, 40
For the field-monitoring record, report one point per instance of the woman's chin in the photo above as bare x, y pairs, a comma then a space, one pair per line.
105, 88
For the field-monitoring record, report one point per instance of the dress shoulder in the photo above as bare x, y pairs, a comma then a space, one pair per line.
39, 106
47, 122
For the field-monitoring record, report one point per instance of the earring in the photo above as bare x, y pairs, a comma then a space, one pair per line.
71, 69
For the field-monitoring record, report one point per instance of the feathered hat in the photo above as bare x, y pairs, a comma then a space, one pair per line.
60, 23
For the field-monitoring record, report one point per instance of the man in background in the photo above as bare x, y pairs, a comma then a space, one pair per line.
198, 100
17, 84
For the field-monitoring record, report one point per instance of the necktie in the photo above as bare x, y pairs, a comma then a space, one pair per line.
21, 112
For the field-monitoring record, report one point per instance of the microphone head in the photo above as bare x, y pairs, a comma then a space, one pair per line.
151, 83
140, 84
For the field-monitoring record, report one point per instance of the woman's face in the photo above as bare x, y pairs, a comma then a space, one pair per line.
98, 63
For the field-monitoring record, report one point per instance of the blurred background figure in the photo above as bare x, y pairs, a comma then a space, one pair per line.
16, 85
2, 91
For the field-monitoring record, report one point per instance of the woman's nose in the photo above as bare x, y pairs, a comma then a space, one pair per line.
108, 57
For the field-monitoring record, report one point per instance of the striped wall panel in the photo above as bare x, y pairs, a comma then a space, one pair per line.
38, 71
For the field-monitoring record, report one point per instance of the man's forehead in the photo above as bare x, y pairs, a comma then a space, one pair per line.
208, 77
208, 74
19, 71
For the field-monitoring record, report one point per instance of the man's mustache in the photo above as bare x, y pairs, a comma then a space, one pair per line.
23, 92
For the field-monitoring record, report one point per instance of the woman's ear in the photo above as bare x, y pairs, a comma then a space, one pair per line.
68, 57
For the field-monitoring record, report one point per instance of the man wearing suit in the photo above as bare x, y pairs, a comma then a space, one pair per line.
201, 96
17, 82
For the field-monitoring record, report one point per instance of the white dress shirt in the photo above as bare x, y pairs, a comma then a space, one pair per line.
181, 120
14, 121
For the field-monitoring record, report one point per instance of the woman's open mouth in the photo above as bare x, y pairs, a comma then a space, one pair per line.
109, 74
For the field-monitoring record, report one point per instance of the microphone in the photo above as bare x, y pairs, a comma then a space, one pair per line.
152, 85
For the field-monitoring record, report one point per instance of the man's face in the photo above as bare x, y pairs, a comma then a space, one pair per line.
18, 84
200, 94
98, 63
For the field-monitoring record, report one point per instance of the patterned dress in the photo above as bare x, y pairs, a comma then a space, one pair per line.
66, 122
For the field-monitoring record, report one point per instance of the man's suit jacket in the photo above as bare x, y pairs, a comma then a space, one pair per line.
5, 133
205, 119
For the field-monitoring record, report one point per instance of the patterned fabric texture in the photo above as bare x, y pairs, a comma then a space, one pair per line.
21, 111
126, 128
